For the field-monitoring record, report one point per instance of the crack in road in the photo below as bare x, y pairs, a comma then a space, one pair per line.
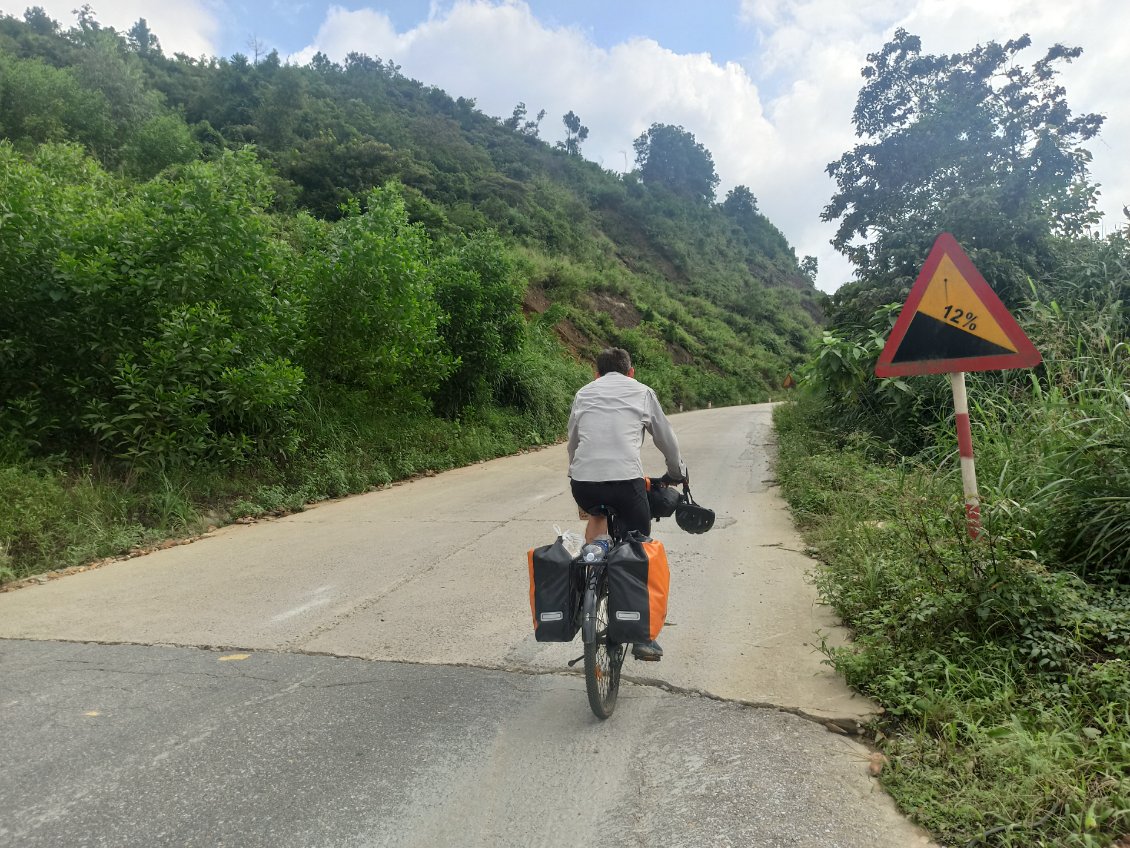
841, 725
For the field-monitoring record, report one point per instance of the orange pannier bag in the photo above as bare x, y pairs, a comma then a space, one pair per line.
639, 580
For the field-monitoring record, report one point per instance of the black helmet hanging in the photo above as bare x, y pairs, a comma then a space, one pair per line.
692, 517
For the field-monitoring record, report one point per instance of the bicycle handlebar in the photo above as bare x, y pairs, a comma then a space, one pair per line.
668, 480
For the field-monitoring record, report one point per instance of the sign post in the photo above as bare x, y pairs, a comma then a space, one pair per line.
965, 451
953, 322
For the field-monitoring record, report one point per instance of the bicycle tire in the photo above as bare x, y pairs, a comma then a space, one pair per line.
602, 661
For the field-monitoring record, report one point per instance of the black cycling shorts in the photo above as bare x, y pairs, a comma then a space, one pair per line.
627, 497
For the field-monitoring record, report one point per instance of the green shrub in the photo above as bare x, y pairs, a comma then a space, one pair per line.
1003, 680
372, 320
477, 288
152, 321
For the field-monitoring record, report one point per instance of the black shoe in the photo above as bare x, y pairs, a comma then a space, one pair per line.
647, 651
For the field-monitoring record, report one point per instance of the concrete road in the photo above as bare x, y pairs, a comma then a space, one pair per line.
473, 734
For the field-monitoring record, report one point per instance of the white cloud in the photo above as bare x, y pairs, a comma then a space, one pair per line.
825, 49
187, 26
773, 124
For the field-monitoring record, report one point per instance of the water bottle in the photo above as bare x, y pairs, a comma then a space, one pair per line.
571, 539
593, 551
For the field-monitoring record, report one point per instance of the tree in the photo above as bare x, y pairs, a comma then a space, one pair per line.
479, 290
517, 122
670, 156
372, 317
142, 39
973, 143
86, 21
256, 47
161, 141
40, 22
574, 134
323, 65
39, 103
739, 202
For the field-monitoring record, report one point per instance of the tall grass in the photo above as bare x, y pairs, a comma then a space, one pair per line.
1005, 681
54, 514
1056, 443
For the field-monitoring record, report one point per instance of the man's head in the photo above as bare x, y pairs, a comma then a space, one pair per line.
614, 359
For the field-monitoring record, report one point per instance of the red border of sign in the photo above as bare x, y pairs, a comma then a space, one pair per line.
1026, 354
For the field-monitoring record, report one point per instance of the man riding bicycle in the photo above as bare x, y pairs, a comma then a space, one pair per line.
606, 427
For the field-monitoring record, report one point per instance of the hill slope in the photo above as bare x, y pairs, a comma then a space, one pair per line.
231, 288
718, 291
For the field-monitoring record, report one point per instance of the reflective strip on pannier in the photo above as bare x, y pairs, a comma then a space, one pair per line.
554, 593
639, 580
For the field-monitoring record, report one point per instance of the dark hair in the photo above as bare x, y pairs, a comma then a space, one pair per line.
613, 359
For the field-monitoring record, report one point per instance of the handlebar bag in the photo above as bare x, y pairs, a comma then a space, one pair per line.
555, 594
639, 580
662, 500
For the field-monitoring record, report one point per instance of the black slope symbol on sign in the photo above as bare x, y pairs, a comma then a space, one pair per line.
929, 338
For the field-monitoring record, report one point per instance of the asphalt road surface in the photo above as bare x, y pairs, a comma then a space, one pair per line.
364, 674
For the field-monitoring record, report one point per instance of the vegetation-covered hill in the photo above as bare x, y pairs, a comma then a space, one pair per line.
718, 281
251, 282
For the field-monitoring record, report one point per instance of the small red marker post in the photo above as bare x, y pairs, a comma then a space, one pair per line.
965, 450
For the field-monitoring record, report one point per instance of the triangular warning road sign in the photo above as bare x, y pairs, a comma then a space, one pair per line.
952, 321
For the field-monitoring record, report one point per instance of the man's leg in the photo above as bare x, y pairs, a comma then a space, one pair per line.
632, 506
589, 496
597, 528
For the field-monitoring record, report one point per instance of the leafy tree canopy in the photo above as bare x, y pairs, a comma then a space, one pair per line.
518, 122
670, 156
974, 143
739, 202
574, 134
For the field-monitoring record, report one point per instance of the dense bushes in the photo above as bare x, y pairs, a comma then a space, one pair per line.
175, 329
176, 319
156, 321
372, 314
1002, 663
479, 292
193, 324
1052, 444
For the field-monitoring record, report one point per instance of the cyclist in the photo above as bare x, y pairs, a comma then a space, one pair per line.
606, 427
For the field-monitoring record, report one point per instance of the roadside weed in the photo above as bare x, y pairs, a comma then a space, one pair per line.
1005, 682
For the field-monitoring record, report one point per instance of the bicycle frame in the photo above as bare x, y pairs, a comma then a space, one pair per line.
594, 574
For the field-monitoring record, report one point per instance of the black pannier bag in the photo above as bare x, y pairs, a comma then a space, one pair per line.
639, 580
555, 594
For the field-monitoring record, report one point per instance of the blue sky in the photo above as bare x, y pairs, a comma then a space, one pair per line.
768, 86
683, 27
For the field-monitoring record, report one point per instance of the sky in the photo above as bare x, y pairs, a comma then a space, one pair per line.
767, 86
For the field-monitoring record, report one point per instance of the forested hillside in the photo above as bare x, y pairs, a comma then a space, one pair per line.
232, 286
1002, 662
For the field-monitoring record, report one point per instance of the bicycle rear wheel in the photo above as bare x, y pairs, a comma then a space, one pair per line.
602, 660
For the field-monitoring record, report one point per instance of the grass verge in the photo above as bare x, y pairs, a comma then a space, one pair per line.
54, 515
1005, 682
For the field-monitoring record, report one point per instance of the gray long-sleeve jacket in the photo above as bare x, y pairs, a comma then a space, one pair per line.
606, 427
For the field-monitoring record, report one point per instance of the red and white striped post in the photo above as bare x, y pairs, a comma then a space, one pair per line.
965, 449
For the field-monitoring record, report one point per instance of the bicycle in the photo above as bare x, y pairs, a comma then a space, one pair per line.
603, 658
